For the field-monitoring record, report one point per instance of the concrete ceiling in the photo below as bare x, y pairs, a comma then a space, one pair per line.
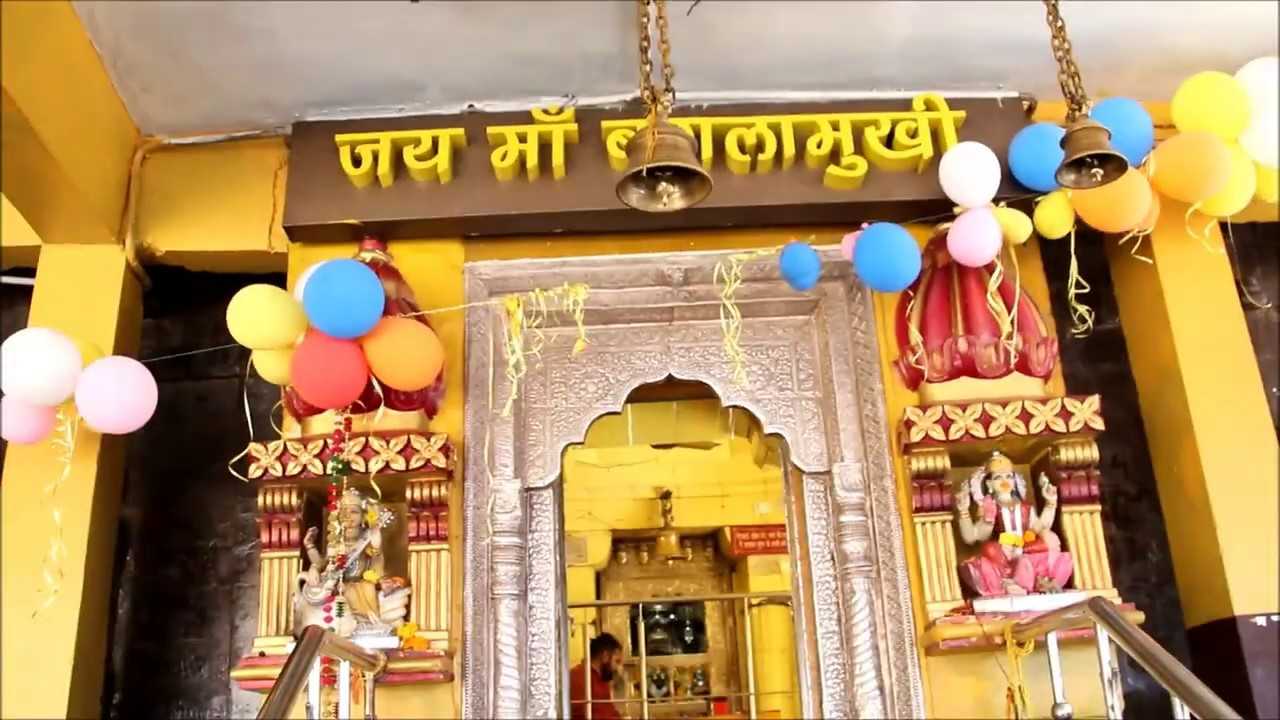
202, 67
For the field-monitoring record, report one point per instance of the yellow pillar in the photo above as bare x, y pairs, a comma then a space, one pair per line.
1213, 449
54, 662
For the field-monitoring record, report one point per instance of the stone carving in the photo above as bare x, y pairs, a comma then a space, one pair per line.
813, 379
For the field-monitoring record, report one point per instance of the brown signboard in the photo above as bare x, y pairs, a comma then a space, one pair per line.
757, 540
772, 164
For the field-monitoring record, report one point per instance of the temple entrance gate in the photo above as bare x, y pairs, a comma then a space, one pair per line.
813, 378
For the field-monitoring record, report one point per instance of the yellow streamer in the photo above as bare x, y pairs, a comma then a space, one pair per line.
1203, 235
728, 277
248, 419
1018, 697
998, 311
1017, 302
916, 358
64, 441
1082, 315
525, 317
1137, 237
377, 417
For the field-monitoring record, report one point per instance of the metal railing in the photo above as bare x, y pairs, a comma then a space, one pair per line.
303, 667
748, 601
1190, 696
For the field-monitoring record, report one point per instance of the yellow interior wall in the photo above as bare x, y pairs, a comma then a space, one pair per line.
773, 640
68, 139
215, 207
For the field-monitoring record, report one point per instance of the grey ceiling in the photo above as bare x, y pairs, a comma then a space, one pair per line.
197, 67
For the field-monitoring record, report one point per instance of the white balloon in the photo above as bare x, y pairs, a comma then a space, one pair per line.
1261, 81
970, 174
39, 366
303, 278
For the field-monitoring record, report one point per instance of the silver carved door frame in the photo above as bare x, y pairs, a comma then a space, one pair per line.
814, 380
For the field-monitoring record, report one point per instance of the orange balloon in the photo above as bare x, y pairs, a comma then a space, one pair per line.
1149, 222
1117, 206
1191, 166
403, 353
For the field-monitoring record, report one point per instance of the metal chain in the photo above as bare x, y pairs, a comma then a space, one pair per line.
668, 97
1068, 73
646, 61
652, 99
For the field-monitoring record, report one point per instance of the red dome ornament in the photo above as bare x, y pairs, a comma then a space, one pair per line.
946, 331
400, 301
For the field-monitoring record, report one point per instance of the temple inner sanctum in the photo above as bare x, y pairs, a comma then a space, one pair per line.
431, 359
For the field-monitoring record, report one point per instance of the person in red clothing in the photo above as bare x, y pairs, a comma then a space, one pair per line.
605, 663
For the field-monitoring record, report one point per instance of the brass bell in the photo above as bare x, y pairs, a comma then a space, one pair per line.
663, 173
667, 546
1089, 161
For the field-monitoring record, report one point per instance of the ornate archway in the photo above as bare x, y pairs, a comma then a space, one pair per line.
814, 379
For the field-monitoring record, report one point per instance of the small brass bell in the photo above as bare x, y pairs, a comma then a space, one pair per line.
663, 173
1089, 161
667, 546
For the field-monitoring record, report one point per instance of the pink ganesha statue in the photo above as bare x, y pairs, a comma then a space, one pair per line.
1019, 551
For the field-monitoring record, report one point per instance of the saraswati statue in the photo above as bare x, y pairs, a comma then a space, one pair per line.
345, 589
1019, 552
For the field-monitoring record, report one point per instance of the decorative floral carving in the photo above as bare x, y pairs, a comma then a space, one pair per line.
965, 421
1045, 415
1084, 412
924, 423
305, 456
355, 446
265, 459
386, 453
1005, 417
428, 450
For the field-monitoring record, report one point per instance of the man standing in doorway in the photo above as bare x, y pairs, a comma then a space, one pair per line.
605, 663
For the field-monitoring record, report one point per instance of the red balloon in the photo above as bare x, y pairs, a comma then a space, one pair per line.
327, 372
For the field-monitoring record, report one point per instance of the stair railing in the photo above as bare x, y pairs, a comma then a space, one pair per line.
303, 668
1190, 696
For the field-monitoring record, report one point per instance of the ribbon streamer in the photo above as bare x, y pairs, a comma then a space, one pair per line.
1082, 315
1018, 697
525, 317
51, 572
1203, 235
998, 311
1136, 237
248, 419
914, 337
1017, 302
728, 277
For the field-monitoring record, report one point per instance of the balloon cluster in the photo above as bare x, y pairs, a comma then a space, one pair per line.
327, 338
970, 176
884, 255
1224, 155
41, 369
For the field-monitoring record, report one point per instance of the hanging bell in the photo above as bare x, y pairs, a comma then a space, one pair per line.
1088, 160
663, 173
667, 545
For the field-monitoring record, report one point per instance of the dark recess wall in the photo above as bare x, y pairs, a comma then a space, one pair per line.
186, 564
1132, 522
1257, 256
15, 305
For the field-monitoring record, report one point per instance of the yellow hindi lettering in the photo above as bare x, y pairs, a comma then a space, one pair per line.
514, 143
892, 140
427, 154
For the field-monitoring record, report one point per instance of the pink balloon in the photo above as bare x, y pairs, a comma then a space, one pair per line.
22, 423
116, 395
974, 238
849, 242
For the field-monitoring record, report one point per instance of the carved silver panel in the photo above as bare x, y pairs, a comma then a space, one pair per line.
813, 379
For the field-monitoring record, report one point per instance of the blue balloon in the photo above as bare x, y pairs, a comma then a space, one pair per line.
800, 266
886, 257
343, 299
1132, 132
1035, 154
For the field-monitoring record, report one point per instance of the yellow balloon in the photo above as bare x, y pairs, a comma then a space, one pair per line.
1014, 225
273, 365
265, 317
88, 351
1268, 184
1054, 216
1238, 193
1211, 101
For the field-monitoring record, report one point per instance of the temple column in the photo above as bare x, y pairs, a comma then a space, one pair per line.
1214, 453
54, 660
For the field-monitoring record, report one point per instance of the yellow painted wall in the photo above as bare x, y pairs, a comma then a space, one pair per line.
54, 663
772, 635
68, 140
215, 207
19, 243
